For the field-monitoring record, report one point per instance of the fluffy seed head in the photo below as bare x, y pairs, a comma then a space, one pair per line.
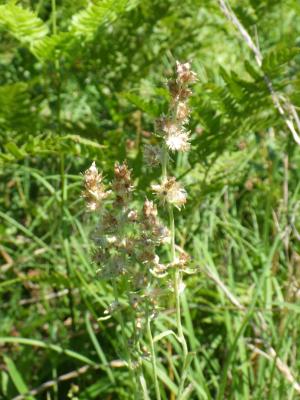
170, 191
176, 137
158, 270
179, 141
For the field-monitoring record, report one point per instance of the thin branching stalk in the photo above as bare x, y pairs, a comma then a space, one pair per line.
121, 322
177, 281
176, 139
177, 285
165, 157
152, 351
139, 369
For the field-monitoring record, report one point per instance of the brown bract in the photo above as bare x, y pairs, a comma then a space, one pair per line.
185, 75
94, 192
122, 184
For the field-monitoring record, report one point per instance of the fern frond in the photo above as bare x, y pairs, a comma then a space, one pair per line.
21, 23
278, 56
47, 48
14, 106
87, 22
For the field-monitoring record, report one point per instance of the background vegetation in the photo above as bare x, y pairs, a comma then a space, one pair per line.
83, 80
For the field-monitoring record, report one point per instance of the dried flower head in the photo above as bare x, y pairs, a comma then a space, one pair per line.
150, 211
94, 192
184, 73
132, 215
180, 262
122, 184
170, 191
182, 112
178, 92
152, 224
177, 138
152, 155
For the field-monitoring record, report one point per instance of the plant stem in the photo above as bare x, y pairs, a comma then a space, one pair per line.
177, 275
124, 339
177, 282
164, 163
139, 370
153, 355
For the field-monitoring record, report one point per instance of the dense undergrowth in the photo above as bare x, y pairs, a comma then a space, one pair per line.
83, 81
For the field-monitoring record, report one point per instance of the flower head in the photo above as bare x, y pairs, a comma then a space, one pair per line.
178, 141
177, 138
152, 224
152, 155
170, 191
122, 184
178, 92
182, 112
94, 192
184, 73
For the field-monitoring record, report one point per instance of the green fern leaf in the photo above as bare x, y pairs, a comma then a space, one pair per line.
23, 24
278, 56
14, 106
149, 107
47, 48
100, 12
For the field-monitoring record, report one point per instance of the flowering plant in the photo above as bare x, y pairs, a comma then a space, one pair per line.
128, 239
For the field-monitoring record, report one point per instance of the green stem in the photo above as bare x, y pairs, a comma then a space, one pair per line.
177, 282
177, 274
124, 339
139, 371
54, 25
164, 163
153, 355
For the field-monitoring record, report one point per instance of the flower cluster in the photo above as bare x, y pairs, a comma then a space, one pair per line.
126, 239
176, 137
174, 126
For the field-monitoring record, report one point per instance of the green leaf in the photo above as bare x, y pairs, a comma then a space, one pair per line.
98, 348
87, 22
12, 148
16, 377
83, 141
53, 347
14, 106
252, 71
50, 46
157, 338
21, 23
278, 56
148, 107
